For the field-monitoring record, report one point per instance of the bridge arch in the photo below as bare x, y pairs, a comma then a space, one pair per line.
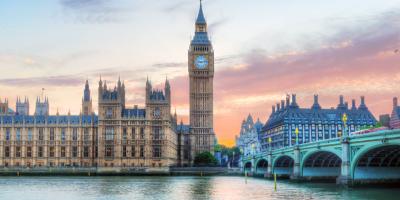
283, 165
321, 164
261, 166
377, 162
248, 166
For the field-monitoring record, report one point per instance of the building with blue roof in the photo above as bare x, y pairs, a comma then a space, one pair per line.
314, 123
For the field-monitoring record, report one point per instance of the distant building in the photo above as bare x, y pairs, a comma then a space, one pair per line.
4, 107
248, 140
22, 108
42, 108
314, 124
395, 117
384, 120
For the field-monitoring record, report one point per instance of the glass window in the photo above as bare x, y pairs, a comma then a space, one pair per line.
51, 134
40, 152
75, 134
7, 152
51, 152
28, 152
18, 151
109, 151
63, 134
141, 133
74, 151
86, 152
18, 134
133, 153
8, 134
156, 151
62, 152
142, 151
124, 134
109, 133
124, 151
29, 134
41, 135
86, 134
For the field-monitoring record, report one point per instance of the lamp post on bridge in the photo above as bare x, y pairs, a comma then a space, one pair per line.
269, 168
297, 136
344, 177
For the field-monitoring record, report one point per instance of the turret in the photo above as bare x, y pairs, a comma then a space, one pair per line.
395, 103
87, 100
42, 108
294, 103
283, 104
22, 108
287, 101
316, 105
341, 103
362, 104
167, 91
353, 104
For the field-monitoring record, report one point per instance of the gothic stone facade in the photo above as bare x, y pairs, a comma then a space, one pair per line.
117, 137
201, 75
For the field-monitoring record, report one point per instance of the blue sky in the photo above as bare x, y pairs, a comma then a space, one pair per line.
57, 44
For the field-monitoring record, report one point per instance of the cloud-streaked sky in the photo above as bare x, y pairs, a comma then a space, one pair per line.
264, 49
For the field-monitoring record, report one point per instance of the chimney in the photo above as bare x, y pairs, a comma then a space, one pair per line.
353, 104
316, 104
294, 103
273, 109
282, 104
287, 100
362, 100
278, 107
395, 103
346, 105
341, 100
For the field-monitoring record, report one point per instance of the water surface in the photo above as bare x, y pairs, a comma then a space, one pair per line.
159, 188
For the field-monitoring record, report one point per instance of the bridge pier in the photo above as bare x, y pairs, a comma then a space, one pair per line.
345, 176
269, 168
296, 168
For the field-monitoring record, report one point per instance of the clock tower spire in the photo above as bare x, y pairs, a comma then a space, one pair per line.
201, 74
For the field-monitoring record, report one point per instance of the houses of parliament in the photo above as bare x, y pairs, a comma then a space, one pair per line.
117, 136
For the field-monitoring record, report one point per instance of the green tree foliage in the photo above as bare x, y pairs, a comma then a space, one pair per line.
205, 159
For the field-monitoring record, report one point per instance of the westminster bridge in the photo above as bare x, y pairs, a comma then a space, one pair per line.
354, 159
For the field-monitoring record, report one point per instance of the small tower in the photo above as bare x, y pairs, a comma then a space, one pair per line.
158, 102
42, 108
111, 101
22, 108
87, 100
4, 107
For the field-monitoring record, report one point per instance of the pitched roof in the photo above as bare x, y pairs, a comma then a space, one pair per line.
200, 17
306, 115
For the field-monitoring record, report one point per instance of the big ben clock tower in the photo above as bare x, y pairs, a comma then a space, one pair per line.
201, 74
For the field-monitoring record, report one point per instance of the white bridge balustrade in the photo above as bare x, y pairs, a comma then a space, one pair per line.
356, 159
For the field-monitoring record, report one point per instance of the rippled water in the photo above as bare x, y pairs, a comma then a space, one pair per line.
59, 188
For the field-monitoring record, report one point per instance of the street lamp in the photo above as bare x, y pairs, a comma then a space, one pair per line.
270, 141
344, 119
297, 136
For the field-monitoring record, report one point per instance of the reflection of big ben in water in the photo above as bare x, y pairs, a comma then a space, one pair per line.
201, 74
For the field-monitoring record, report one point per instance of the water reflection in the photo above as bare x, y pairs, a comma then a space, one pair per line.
160, 188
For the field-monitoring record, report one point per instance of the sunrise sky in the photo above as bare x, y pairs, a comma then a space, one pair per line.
264, 50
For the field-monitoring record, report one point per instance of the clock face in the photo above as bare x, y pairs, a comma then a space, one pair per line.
201, 62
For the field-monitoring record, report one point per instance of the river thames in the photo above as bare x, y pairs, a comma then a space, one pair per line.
218, 187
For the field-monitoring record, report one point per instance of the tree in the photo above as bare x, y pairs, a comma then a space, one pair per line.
205, 159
